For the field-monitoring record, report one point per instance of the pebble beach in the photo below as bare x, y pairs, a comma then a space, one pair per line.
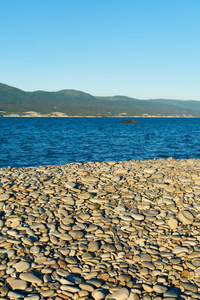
125, 230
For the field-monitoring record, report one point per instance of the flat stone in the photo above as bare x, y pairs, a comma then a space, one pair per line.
70, 185
85, 196
35, 249
151, 212
180, 249
121, 294
197, 271
149, 170
134, 296
186, 217
86, 287
3, 267
173, 223
171, 294
144, 271
76, 234
68, 200
47, 293
84, 216
189, 287
149, 265
30, 277
98, 294
34, 297
62, 272
4, 197
147, 287
18, 284
194, 254
160, 289
21, 266
69, 288
137, 217
3, 291
185, 273
14, 295
94, 282
93, 246
145, 257
71, 260
170, 188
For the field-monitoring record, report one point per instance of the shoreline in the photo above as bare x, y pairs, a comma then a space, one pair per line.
49, 116
101, 230
33, 114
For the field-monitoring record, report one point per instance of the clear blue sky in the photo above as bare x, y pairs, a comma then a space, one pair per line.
138, 48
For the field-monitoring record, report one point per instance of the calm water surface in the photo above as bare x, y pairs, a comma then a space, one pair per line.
42, 141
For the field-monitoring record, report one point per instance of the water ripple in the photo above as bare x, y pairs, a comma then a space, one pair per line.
42, 141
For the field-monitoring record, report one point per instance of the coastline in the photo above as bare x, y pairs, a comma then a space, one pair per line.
33, 114
101, 230
66, 116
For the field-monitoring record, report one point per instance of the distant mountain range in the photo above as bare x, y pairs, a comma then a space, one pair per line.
77, 103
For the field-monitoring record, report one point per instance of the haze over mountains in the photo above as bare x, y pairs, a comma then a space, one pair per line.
77, 103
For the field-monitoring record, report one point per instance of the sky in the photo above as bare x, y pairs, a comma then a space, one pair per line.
138, 48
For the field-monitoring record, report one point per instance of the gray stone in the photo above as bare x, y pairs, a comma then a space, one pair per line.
189, 287
30, 277
14, 295
47, 293
18, 284
69, 288
98, 294
93, 246
186, 217
86, 287
173, 223
160, 289
76, 234
121, 294
21, 266
70, 185
34, 297
4, 197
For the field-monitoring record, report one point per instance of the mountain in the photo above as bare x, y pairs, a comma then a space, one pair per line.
72, 102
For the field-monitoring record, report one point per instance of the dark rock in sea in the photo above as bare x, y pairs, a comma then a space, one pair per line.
129, 121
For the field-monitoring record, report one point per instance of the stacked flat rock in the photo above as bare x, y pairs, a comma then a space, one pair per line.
101, 230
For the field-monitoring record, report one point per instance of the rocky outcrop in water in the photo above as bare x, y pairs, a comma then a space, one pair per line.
129, 121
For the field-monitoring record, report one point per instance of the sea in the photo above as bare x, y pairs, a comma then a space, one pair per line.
30, 142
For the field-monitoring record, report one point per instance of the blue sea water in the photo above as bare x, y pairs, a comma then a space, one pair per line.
56, 141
